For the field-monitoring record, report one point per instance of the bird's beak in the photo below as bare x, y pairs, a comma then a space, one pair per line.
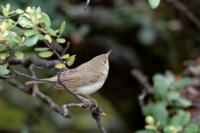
109, 53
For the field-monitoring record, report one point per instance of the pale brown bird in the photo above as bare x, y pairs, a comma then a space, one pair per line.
84, 79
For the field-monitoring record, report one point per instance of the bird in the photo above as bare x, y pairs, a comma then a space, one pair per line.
83, 80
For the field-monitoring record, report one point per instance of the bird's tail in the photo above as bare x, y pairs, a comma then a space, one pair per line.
41, 81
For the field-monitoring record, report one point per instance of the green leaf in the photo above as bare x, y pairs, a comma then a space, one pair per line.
6, 10
18, 31
71, 60
3, 56
31, 41
19, 55
60, 66
2, 47
45, 20
52, 32
182, 102
41, 49
181, 84
46, 54
161, 86
25, 22
172, 129
180, 119
29, 33
19, 11
191, 128
66, 56
48, 38
173, 95
62, 27
4, 70
12, 40
60, 40
154, 3
158, 111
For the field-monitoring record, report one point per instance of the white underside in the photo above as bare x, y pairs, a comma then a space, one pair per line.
86, 90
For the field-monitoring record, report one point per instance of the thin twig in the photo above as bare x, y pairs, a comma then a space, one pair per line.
65, 87
10, 16
181, 7
96, 114
52, 48
33, 59
30, 77
45, 98
87, 4
142, 79
66, 48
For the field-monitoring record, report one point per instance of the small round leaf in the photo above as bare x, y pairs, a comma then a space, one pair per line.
19, 55
46, 54
60, 66
71, 60
41, 49
154, 3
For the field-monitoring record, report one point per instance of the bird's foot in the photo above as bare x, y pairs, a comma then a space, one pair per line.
97, 113
66, 107
90, 102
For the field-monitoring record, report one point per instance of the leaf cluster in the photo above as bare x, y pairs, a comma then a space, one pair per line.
21, 32
166, 112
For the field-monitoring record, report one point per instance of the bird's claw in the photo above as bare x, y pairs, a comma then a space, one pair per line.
65, 111
102, 114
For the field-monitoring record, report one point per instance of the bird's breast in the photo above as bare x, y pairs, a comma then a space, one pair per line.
91, 88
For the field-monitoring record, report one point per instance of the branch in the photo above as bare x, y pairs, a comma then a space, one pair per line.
65, 87
47, 100
181, 7
95, 111
33, 60
10, 16
142, 79
52, 47
87, 4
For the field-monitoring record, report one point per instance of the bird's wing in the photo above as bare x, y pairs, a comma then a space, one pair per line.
74, 80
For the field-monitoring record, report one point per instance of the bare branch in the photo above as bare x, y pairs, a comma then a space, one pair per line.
47, 100
52, 47
142, 79
66, 48
87, 4
95, 111
33, 60
65, 87
96, 114
181, 7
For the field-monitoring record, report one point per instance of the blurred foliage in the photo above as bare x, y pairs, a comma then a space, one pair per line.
166, 111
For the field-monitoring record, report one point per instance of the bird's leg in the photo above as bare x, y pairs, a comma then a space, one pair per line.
92, 103
85, 104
